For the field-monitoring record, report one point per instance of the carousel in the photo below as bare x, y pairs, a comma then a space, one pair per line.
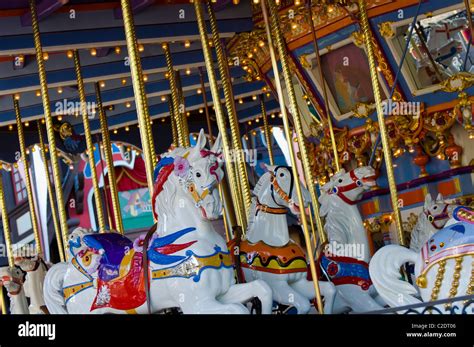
240, 157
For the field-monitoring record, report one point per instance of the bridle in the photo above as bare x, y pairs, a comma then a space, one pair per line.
339, 191
432, 219
275, 187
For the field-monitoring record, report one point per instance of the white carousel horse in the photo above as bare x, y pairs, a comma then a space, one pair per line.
35, 269
433, 218
443, 267
12, 279
345, 258
268, 253
189, 264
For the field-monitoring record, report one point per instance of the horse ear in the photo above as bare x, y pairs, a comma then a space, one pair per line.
428, 200
201, 141
217, 146
440, 198
269, 168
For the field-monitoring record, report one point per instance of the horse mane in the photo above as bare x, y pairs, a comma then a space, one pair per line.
337, 223
420, 233
259, 185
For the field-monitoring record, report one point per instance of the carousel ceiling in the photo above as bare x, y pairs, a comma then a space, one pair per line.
95, 29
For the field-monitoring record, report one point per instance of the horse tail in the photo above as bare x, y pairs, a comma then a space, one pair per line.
53, 289
385, 274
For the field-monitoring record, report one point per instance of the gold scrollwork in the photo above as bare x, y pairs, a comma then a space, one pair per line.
386, 29
458, 82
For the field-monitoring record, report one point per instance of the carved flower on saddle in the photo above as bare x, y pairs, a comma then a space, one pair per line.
181, 167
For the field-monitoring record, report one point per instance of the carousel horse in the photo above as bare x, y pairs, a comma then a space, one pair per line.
268, 253
344, 259
443, 267
433, 218
189, 266
35, 269
12, 278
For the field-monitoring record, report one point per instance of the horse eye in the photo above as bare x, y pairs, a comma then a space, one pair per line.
340, 180
435, 207
198, 174
282, 174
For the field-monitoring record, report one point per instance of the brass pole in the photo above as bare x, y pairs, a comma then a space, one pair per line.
2, 300
323, 86
52, 203
206, 107
174, 131
141, 102
109, 161
383, 130
29, 187
182, 110
49, 124
174, 97
299, 132
89, 143
231, 112
242, 220
266, 131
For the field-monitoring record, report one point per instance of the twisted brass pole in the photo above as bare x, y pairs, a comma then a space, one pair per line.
6, 221
141, 102
279, 40
323, 86
219, 115
206, 107
381, 119
266, 131
52, 203
49, 124
174, 131
174, 97
109, 161
29, 187
231, 112
89, 143
182, 110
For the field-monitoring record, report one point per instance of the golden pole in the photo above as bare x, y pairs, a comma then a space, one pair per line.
323, 86
49, 124
89, 143
182, 110
242, 220
231, 112
146, 135
383, 130
174, 97
206, 107
29, 187
109, 161
2, 300
54, 211
266, 131
174, 131
299, 132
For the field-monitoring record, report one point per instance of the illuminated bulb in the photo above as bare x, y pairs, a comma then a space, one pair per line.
60, 90
71, 167
241, 101
102, 84
255, 2
273, 115
151, 121
38, 93
141, 48
471, 135
167, 75
45, 55
246, 138
10, 127
145, 78
115, 131
249, 122
93, 52
27, 151
250, 55
111, 107
60, 118
261, 43
118, 50
257, 120
187, 43
188, 71
70, 54
379, 69
268, 95
254, 133
128, 105
199, 91
27, 124
17, 96
297, 2
163, 98
42, 121
254, 97
294, 26
127, 128
280, 115
124, 81
163, 120
201, 110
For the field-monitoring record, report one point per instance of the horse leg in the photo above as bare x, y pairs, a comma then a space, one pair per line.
358, 299
283, 293
306, 288
211, 305
244, 292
